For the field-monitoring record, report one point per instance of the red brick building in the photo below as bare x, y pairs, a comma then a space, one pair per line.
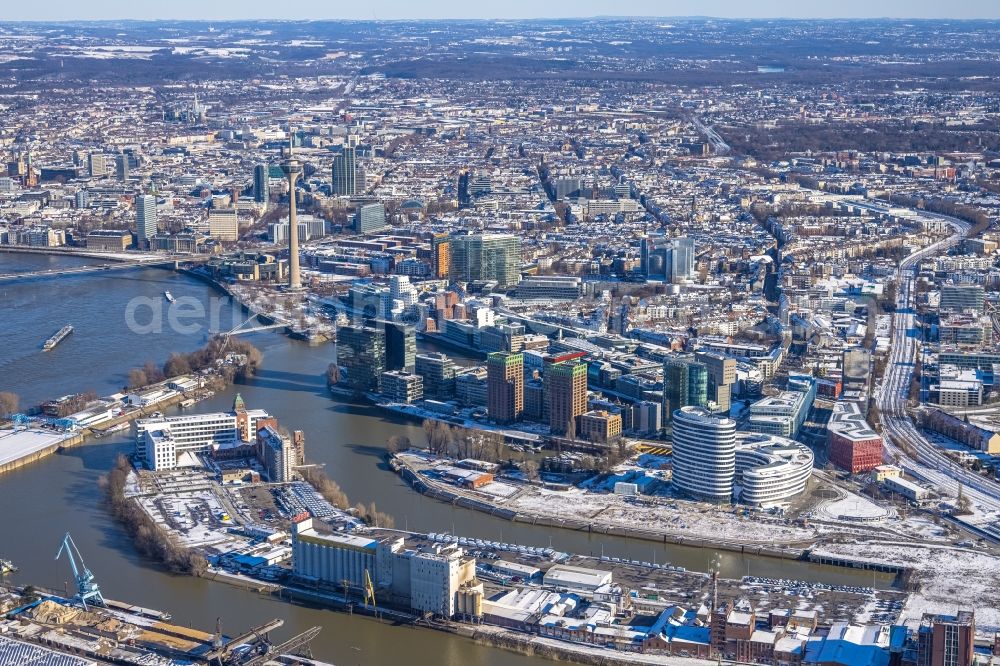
853, 445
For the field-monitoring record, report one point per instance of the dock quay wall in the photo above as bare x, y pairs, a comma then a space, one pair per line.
820, 558
445, 494
35, 456
77, 438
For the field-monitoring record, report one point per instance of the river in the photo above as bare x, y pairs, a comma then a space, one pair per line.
60, 493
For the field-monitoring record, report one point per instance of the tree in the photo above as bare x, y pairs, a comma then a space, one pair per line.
137, 378
153, 372
176, 365
493, 445
8, 404
439, 436
325, 486
397, 443
962, 503
571, 429
530, 468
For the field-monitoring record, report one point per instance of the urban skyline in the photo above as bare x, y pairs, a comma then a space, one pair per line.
611, 339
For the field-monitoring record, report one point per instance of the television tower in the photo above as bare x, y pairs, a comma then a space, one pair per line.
292, 168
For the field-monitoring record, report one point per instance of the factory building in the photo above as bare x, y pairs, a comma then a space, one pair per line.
576, 579
426, 576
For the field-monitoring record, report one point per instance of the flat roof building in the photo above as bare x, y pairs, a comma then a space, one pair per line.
853, 445
578, 579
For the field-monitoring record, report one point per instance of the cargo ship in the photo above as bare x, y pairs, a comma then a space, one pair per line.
170, 297
57, 338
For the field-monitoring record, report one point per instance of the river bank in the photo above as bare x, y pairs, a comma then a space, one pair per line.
61, 491
444, 493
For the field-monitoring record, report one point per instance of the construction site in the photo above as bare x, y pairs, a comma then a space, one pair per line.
44, 627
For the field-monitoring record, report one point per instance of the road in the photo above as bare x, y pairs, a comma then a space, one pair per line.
718, 143
927, 461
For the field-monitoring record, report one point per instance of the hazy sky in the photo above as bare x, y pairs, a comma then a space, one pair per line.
390, 9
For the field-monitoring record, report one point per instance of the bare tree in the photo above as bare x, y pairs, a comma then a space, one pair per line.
962, 503
571, 429
530, 468
494, 446
397, 443
176, 365
153, 372
137, 378
8, 404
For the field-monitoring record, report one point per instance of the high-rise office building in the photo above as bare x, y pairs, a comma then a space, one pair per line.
721, 377
97, 165
261, 184
145, 219
370, 217
962, 298
223, 224
704, 454
667, 259
400, 346
345, 173
856, 367
438, 373
566, 392
946, 640
505, 387
486, 257
567, 187
361, 352
441, 255
121, 167
655, 257
685, 383
681, 259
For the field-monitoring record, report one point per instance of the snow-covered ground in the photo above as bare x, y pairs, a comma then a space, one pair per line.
949, 578
194, 518
499, 489
683, 518
853, 507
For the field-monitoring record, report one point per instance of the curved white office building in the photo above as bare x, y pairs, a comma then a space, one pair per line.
770, 469
704, 455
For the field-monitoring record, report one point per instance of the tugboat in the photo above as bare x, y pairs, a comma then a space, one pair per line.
6, 567
170, 297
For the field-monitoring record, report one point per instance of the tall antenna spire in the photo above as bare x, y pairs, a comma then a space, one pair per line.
292, 169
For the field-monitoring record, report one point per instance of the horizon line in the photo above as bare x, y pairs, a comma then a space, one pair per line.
650, 17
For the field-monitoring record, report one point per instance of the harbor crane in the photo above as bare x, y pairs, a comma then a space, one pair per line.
369, 591
86, 588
